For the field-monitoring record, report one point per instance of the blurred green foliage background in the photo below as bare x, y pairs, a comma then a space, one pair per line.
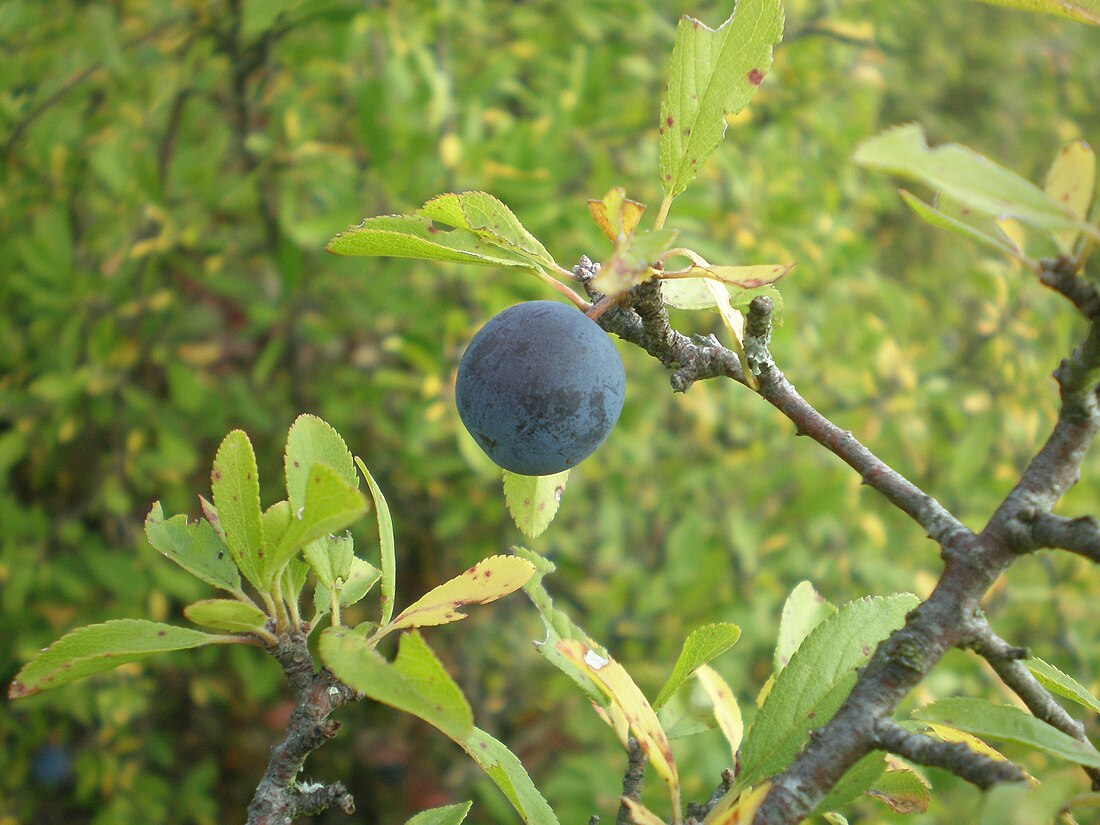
170, 172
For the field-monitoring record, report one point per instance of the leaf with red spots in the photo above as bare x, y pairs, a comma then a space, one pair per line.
713, 73
967, 177
533, 501
314, 441
235, 484
627, 704
487, 581
1082, 11
505, 769
813, 685
1072, 181
98, 647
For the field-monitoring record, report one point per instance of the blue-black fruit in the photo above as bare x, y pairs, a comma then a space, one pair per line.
51, 766
540, 387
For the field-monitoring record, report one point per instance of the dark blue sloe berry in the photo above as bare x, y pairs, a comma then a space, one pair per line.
540, 387
51, 766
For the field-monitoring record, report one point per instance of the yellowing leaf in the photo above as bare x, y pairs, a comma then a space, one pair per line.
485, 582
616, 215
641, 814
740, 810
615, 683
746, 277
726, 709
1071, 181
902, 789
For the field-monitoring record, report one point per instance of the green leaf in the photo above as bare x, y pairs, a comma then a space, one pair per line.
415, 236
632, 261
1017, 803
701, 646
236, 487
856, 781
1058, 682
487, 581
294, 579
99, 647
419, 666
984, 232
227, 614
713, 73
330, 557
558, 627
331, 505
313, 441
386, 543
490, 220
687, 713
967, 177
275, 522
1011, 724
431, 695
812, 687
446, 815
533, 501
505, 769
804, 610
903, 789
1072, 181
195, 547
1083, 11
361, 578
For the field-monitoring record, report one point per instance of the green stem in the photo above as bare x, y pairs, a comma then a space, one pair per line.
662, 214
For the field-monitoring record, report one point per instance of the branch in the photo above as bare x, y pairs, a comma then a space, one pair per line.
957, 757
279, 798
1005, 660
1077, 535
1061, 275
633, 781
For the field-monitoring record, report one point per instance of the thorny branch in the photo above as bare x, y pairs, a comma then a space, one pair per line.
951, 615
